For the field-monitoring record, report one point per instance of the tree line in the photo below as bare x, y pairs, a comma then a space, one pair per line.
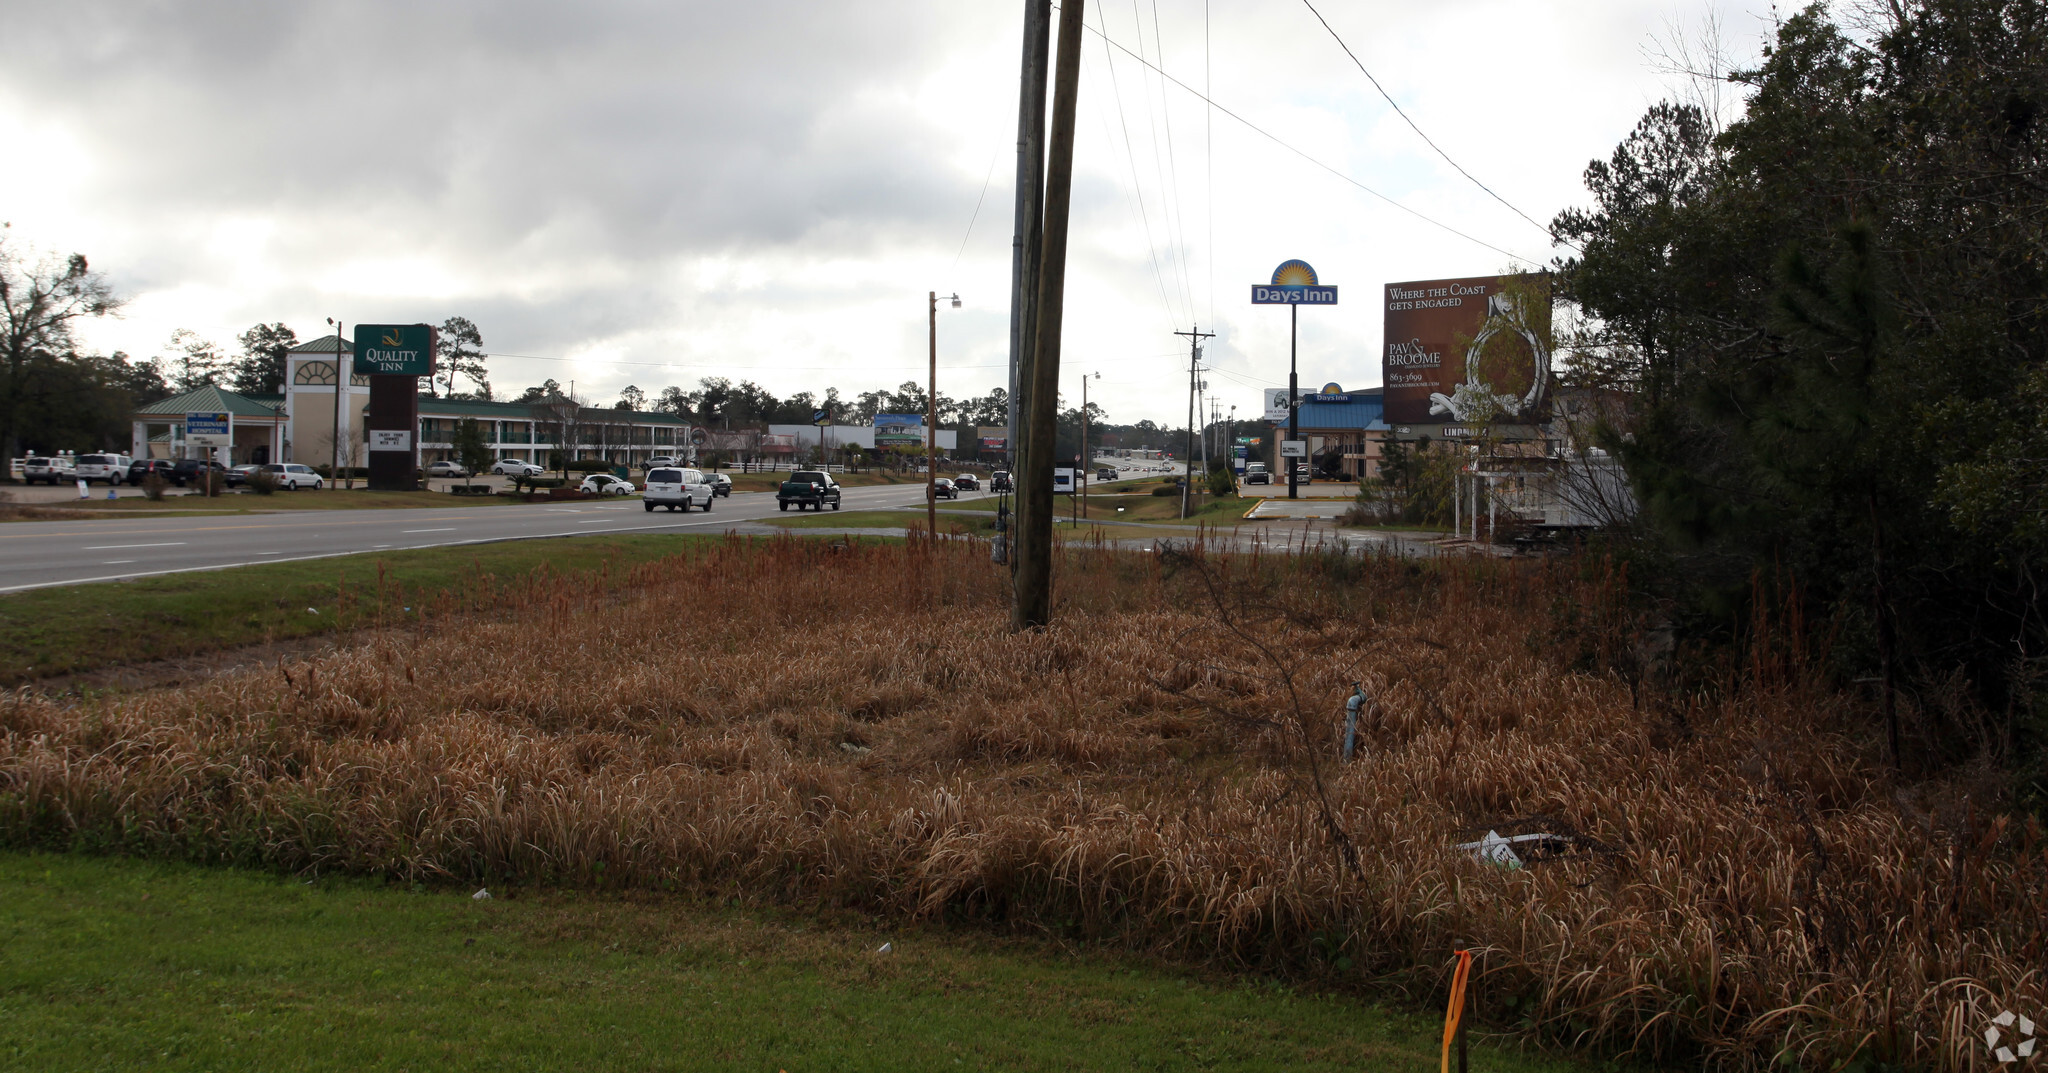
1831, 317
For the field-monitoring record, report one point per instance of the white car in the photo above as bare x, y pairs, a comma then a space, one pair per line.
56, 470
447, 469
291, 476
676, 488
512, 467
659, 461
604, 484
112, 469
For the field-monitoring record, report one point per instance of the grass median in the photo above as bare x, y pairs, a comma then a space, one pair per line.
124, 964
68, 629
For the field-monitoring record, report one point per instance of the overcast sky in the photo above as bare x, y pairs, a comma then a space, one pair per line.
654, 192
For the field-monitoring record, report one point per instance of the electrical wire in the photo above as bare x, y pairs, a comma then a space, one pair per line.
977, 211
1277, 140
918, 366
1418, 130
1171, 204
1131, 156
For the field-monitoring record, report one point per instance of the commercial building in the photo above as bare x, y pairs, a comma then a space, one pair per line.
257, 426
1346, 431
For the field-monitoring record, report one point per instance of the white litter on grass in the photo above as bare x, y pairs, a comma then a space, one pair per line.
312, 611
483, 895
1500, 850
885, 948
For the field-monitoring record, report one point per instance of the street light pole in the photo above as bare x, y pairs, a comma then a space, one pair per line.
341, 379
931, 422
1086, 461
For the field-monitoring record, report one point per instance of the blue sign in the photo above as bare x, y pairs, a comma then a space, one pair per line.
214, 424
1294, 283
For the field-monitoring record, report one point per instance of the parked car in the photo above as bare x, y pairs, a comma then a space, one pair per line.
513, 467
193, 470
999, 481
659, 461
720, 484
240, 474
677, 488
445, 468
605, 484
967, 482
944, 489
55, 470
140, 469
291, 476
109, 468
811, 488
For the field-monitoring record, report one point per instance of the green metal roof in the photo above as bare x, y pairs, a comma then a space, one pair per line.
326, 344
211, 399
521, 411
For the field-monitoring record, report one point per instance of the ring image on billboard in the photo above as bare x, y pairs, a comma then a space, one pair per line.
1468, 351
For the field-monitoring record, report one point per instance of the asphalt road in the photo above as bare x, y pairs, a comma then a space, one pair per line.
40, 554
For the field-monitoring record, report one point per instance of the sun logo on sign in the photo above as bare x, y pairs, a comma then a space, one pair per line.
2024, 1037
392, 339
1294, 274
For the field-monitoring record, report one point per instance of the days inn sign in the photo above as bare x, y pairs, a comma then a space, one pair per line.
394, 350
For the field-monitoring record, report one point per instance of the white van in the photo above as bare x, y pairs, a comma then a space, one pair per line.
675, 488
112, 469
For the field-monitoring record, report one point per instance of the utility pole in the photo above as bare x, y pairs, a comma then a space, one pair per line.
1188, 447
1033, 606
1030, 213
931, 423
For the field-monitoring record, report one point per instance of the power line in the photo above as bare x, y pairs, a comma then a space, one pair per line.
1411, 123
1276, 140
977, 209
915, 367
1137, 186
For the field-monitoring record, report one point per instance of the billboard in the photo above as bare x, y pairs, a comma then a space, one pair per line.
899, 430
993, 437
394, 350
1471, 351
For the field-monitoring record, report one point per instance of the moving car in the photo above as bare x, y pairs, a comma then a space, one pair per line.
108, 468
445, 468
512, 467
1255, 473
999, 481
943, 489
720, 484
967, 482
811, 488
291, 476
605, 484
1105, 473
54, 470
677, 488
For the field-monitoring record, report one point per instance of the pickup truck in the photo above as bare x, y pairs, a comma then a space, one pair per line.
811, 488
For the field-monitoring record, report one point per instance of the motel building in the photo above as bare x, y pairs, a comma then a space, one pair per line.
1346, 431
524, 431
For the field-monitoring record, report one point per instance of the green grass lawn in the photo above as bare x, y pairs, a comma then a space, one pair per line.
75, 628
120, 964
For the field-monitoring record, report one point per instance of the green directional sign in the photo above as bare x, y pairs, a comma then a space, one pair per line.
394, 350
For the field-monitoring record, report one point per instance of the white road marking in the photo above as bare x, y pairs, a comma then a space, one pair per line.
118, 547
116, 562
449, 529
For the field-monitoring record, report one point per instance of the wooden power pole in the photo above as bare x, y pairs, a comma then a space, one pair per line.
1033, 603
1187, 484
1030, 215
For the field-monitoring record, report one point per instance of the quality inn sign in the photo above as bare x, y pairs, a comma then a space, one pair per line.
394, 350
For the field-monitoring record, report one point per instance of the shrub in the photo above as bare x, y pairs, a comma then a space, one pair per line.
153, 485
262, 482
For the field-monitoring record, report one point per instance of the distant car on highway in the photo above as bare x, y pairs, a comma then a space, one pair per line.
445, 468
999, 481
812, 488
943, 489
605, 484
677, 488
513, 467
721, 485
291, 476
1105, 473
967, 482
53, 470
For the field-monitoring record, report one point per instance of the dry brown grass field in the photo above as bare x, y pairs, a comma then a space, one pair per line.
797, 722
